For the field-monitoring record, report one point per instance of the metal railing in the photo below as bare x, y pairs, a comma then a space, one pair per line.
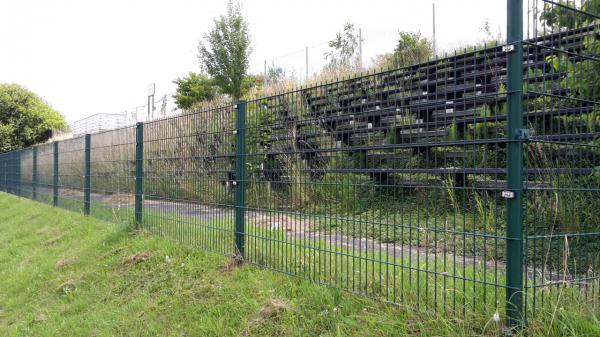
465, 185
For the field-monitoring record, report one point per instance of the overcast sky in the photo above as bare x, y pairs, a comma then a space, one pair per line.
86, 57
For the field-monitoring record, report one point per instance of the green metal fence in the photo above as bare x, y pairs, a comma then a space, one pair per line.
561, 225
464, 185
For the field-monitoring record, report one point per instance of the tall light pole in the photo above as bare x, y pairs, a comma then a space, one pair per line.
434, 46
306, 79
151, 89
360, 47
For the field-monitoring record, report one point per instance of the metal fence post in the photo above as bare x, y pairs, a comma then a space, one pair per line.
55, 175
139, 173
3, 172
5, 185
514, 226
18, 173
9, 174
87, 184
240, 179
34, 174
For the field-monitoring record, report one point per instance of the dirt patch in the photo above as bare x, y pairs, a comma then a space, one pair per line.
68, 193
274, 308
280, 221
41, 317
119, 199
233, 262
114, 199
137, 258
64, 263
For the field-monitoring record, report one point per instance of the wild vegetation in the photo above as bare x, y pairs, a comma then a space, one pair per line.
300, 160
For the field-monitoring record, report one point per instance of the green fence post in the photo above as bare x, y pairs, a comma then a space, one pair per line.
34, 174
139, 173
87, 183
5, 170
55, 175
7, 175
18, 173
240, 179
514, 228
3, 167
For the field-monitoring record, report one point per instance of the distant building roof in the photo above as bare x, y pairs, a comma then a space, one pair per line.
98, 122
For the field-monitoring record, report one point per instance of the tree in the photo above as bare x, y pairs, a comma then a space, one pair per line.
345, 49
275, 74
251, 81
225, 53
411, 49
192, 89
25, 119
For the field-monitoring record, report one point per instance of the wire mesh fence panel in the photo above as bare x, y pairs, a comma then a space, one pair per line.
45, 173
112, 166
70, 173
562, 253
387, 184
11, 166
26, 186
188, 178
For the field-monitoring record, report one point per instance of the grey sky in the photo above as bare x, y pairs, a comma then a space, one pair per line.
86, 57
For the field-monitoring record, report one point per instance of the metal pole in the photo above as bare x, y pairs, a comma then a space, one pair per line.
34, 174
152, 106
5, 186
151, 92
360, 48
87, 175
306, 79
7, 173
18, 173
240, 179
434, 45
514, 232
55, 175
139, 173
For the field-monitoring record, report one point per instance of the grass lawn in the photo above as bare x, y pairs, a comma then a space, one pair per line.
63, 274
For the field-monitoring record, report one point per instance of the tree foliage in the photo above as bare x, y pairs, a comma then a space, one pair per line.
25, 119
192, 89
345, 47
581, 75
558, 16
225, 53
412, 48
275, 74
